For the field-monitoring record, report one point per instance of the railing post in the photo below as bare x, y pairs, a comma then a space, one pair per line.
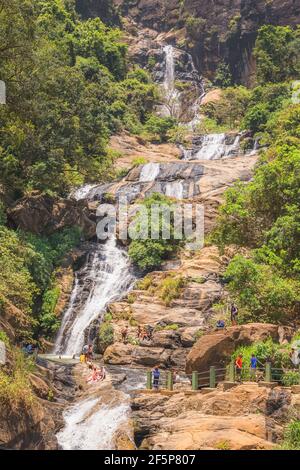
149, 380
299, 374
195, 380
212, 377
268, 372
232, 372
170, 380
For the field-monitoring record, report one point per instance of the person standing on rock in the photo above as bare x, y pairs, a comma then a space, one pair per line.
156, 376
253, 367
124, 334
239, 367
233, 314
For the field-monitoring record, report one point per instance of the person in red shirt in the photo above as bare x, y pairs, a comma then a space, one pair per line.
239, 366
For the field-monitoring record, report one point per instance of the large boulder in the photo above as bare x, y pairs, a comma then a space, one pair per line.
43, 214
118, 353
216, 348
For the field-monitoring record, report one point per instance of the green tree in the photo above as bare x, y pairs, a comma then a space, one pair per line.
276, 53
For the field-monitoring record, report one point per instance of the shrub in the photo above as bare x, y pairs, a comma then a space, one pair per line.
172, 327
149, 253
144, 284
263, 350
159, 127
139, 161
291, 378
106, 336
171, 288
292, 436
131, 298
49, 322
15, 387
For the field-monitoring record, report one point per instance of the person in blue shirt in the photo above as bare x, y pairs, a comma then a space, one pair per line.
156, 375
253, 366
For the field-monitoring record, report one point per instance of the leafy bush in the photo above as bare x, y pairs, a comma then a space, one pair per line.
15, 387
291, 378
277, 53
145, 283
158, 128
266, 350
292, 436
148, 253
49, 322
172, 327
106, 335
260, 292
139, 161
171, 288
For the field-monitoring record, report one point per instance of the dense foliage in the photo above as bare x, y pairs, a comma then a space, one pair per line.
69, 87
263, 216
27, 263
149, 253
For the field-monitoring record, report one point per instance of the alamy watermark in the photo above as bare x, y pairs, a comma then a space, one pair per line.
177, 221
296, 92
2, 92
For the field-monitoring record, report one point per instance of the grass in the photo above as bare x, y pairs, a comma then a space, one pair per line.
15, 384
171, 289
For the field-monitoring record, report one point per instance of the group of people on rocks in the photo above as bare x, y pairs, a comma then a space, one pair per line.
97, 373
142, 334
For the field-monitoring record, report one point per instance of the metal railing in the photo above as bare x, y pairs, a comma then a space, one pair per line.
212, 377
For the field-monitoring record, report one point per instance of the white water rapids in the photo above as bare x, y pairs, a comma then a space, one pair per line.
90, 425
108, 278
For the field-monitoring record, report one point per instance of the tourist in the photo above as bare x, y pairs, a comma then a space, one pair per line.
124, 334
233, 314
253, 367
150, 332
220, 325
239, 367
85, 351
89, 354
102, 373
139, 332
156, 375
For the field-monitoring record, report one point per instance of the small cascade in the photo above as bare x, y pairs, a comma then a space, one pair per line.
213, 147
91, 425
174, 189
105, 278
149, 172
179, 65
82, 192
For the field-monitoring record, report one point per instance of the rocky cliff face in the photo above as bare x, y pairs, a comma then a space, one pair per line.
244, 417
214, 31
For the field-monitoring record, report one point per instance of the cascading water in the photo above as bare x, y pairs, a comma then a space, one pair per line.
213, 147
91, 425
107, 276
171, 106
174, 189
149, 172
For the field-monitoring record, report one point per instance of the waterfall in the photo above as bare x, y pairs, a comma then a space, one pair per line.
174, 189
82, 192
91, 425
213, 147
107, 277
172, 96
149, 172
